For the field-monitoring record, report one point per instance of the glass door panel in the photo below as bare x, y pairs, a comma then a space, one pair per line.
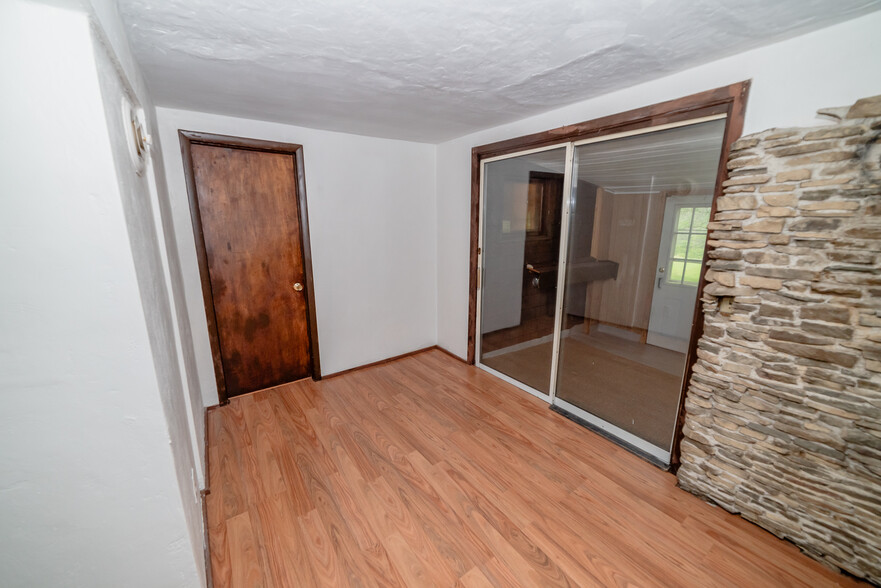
637, 232
522, 212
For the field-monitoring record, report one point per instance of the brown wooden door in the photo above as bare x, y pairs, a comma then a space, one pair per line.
248, 206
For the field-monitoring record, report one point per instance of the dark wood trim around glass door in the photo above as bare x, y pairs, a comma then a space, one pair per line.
187, 140
727, 100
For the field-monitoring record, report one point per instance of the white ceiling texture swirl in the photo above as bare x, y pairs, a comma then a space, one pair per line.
434, 70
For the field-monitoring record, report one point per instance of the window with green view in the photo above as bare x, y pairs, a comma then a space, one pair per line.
687, 249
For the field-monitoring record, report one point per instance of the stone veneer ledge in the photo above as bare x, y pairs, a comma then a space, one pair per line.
783, 411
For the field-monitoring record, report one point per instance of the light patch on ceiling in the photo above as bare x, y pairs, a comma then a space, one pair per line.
432, 71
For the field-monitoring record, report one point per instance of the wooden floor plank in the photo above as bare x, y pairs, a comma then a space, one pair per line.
428, 472
220, 566
244, 556
320, 552
285, 545
474, 578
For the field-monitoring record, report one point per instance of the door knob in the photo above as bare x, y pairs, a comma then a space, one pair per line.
298, 287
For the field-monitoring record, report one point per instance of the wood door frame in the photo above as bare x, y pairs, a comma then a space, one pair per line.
729, 100
187, 140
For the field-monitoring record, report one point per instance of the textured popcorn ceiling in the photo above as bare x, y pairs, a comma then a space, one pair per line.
431, 71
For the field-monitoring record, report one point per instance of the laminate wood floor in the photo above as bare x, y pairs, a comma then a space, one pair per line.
428, 472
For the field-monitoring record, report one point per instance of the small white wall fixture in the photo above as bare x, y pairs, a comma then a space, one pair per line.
136, 134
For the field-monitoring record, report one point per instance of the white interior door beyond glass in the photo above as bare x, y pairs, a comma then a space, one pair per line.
680, 257
573, 239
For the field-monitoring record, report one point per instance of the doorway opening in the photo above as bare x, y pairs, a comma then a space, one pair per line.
591, 258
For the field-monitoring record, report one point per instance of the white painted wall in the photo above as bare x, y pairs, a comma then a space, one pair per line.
372, 218
110, 33
791, 80
89, 494
184, 416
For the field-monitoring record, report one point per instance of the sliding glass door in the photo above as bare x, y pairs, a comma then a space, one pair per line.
636, 244
521, 226
591, 270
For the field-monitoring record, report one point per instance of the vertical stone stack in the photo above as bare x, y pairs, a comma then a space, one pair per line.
783, 412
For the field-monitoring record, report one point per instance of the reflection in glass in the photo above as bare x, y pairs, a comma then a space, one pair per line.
522, 206
638, 227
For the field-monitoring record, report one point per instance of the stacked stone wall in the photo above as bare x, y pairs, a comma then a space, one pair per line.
783, 412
